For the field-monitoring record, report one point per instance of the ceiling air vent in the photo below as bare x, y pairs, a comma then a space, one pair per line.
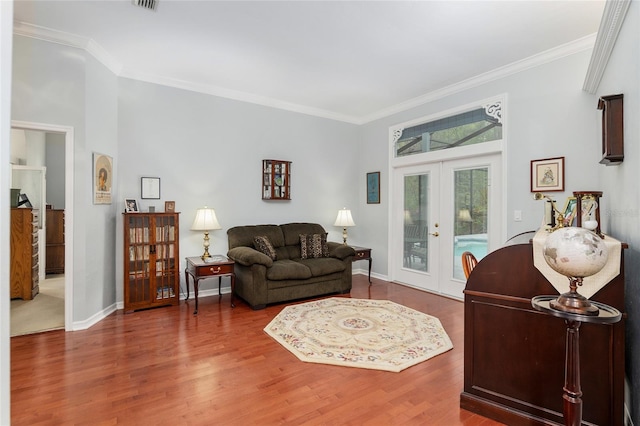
147, 4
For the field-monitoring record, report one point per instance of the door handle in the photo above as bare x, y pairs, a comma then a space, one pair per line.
435, 234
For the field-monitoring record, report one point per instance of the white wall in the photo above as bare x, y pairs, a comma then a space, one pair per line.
208, 151
55, 147
56, 84
620, 184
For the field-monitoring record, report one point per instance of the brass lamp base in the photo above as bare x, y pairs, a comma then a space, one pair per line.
206, 254
574, 302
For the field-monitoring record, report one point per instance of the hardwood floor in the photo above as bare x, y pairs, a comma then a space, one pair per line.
166, 366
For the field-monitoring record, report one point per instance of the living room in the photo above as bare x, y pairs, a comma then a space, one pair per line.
207, 150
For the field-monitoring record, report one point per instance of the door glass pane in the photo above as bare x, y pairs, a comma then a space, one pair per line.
482, 124
416, 219
471, 216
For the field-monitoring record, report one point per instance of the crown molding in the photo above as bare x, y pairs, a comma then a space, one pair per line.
576, 46
236, 95
93, 48
610, 26
67, 39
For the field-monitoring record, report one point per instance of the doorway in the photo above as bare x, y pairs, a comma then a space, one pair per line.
442, 209
61, 285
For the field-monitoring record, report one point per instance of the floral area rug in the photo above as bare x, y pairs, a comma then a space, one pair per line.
374, 334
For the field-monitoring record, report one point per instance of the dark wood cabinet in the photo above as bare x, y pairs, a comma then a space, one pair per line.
24, 254
612, 129
151, 263
55, 242
514, 355
276, 180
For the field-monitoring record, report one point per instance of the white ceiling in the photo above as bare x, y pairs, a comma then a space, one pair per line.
349, 60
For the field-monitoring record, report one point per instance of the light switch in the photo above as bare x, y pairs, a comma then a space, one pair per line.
517, 215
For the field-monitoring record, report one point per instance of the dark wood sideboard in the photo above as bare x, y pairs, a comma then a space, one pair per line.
514, 356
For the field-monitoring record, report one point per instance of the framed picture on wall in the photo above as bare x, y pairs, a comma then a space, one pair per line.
102, 178
547, 175
373, 188
150, 188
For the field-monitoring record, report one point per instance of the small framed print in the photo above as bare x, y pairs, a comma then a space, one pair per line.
547, 175
130, 205
150, 188
169, 206
102, 178
373, 188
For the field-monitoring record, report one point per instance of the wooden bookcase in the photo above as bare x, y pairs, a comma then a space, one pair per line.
151, 260
25, 265
55, 242
276, 180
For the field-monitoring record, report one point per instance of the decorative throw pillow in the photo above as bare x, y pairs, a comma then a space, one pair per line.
262, 243
313, 246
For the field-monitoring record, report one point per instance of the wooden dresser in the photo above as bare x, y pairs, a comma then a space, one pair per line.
55, 242
24, 253
514, 355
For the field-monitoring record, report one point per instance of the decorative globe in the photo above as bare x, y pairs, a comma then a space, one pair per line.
575, 252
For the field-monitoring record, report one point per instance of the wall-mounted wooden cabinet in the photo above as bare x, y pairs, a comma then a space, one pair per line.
151, 260
24, 253
612, 129
276, 180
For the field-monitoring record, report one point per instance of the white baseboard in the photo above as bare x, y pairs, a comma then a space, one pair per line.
83, 325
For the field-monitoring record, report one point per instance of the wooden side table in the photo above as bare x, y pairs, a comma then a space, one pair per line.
217, 266
572, 391
363, 253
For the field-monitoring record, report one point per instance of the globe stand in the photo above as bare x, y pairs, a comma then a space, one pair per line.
573, 302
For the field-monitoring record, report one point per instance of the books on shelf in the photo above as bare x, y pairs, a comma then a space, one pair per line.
165, 292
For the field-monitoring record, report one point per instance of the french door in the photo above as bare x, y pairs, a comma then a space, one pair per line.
440, 210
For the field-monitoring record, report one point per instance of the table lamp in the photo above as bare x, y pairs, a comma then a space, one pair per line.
205, 221
344, 220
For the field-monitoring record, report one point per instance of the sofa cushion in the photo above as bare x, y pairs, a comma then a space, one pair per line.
262, 244
313, 246
323, 266
291, 232
243, 235
288, 270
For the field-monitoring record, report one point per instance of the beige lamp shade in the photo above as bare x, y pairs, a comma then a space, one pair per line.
465, 216
205, 220
344, 218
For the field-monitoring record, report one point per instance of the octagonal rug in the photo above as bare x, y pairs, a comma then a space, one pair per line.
362, 333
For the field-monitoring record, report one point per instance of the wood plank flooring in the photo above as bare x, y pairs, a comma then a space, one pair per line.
167, 366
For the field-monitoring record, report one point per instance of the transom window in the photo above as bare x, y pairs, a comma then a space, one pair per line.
483, 124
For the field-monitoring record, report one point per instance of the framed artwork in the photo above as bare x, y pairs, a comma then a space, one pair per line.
373, 188
150, 188
130, 205
102, 178
547, 175
569, 212
169, 206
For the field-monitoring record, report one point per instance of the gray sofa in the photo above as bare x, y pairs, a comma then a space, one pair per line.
297, 272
